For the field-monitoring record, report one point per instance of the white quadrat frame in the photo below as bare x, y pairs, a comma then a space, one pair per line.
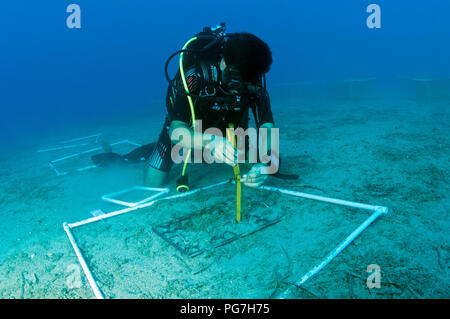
377, 211
111, 197
80, 141
84, 168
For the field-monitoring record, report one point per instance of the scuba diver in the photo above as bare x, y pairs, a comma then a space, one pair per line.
221, 77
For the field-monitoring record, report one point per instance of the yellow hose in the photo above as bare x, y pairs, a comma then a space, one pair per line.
183, 78
191, 104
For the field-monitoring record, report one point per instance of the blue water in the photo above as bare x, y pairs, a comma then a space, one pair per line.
51, 75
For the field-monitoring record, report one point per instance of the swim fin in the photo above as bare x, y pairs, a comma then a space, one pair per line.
140, 154
109, 158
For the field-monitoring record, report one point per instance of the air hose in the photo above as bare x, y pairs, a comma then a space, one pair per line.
183, 183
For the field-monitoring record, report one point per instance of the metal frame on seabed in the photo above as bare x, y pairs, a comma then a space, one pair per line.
377, 211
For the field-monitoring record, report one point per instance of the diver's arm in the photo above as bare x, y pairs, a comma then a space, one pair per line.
269, 127
180, 133
260, 172
272, 148
266, 123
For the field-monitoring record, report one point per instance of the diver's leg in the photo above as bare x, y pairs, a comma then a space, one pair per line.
154, 177
160, 162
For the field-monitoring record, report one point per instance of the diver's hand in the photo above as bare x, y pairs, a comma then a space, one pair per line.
256, 175
223, 151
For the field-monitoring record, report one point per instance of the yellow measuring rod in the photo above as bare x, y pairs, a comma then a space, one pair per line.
237, 174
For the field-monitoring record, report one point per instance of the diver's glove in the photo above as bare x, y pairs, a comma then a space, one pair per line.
260, 172
256, 176
222, 150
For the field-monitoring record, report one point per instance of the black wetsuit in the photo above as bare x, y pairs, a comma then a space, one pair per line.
204, 77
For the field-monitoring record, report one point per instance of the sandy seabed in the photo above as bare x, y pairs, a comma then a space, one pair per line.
394, 154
